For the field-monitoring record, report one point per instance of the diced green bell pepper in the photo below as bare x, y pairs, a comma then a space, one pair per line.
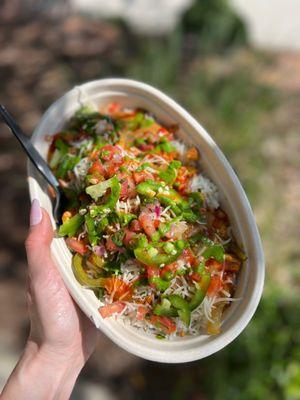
125, 219
56, 156
196, 198
216, 251
169, 197
71, 226
167, 147
182, 306
118, 237
148, 188
198, 297
98, 190
61, 146
166, 226
199, 237
159, 283
169, 175
102, 224
82, 277
140, 120
165, 195
91, 229
164, 309
67, 163
150, 255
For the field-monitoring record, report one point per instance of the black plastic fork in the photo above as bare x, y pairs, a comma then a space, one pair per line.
38, 162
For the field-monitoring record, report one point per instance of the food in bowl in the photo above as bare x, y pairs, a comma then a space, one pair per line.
144, 223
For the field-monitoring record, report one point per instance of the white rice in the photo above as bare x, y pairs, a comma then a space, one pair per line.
210, 191
81, 168
179, 146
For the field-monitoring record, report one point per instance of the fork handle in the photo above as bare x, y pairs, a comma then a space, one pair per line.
32, 153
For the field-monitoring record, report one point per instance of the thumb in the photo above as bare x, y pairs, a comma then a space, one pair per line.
38, 241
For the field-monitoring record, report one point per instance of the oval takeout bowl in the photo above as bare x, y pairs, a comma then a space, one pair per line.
233, 199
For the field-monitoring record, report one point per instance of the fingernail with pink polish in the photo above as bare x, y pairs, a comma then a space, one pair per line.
35, 213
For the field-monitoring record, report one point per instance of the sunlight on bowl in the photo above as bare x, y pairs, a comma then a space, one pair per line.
234, 201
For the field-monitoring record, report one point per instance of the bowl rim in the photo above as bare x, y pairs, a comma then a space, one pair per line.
240, 324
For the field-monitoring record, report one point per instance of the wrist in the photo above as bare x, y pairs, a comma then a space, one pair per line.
43, 373
62, 358
61, 368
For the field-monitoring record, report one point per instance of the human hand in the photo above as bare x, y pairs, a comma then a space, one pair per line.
61, 337
57, 325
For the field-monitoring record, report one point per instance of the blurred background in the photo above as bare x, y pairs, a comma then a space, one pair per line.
235, 66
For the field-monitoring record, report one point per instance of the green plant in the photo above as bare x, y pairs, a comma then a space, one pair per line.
215, 24
264, 362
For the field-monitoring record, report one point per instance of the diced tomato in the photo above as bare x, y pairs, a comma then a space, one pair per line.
149, 220
135, 151
152, 271
97, 169
167, 156
94, 155
192, 154
169, 268
141, 312
220, 214
127, 186
215, 285
156, 223
107, 152
149, 135
110, 245
177, 230
110, 309
113, 108
214, 265
166, 324
77, 245
220, 222
141, 176
146, 146
183, 177
147, 223
112, 169
118, 289
111, 153
232, 263
154, 133
189, 257
135, 226
221, 228
195, 277
129, 237
163, 132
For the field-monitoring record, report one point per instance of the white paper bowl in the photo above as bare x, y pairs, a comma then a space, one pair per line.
234, 201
